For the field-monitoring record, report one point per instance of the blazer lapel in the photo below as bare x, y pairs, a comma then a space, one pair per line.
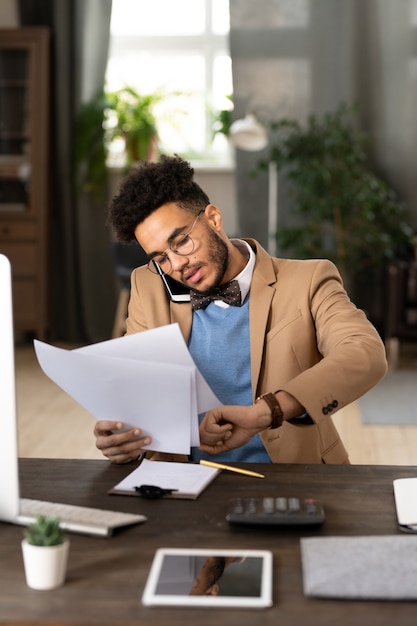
261, 293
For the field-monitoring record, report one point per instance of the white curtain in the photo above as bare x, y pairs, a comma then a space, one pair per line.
83, 290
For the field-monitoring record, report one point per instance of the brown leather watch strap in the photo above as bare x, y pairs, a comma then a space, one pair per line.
277, 415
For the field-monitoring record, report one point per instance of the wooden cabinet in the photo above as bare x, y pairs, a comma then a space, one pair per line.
24, 172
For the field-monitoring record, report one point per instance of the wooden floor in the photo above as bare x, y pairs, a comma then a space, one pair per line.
52, 425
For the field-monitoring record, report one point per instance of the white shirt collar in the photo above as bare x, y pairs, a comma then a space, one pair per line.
244, 278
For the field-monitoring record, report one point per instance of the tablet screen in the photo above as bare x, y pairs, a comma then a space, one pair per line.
204, 577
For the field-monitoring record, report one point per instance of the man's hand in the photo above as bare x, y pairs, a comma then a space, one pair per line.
118, 445
229, 427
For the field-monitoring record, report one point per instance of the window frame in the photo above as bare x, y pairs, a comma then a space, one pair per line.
209, 44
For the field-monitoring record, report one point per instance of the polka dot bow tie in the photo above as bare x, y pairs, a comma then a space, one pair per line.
229, 293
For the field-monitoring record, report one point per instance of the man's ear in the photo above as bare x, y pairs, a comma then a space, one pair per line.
214, 217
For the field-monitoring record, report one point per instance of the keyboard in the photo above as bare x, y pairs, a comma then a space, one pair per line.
78, 519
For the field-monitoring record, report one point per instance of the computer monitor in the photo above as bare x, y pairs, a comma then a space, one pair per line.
9, 475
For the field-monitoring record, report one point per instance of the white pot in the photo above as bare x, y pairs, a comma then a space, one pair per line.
45, 566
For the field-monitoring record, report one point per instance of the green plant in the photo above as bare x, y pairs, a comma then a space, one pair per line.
340, 209
45, 531
91, 147
131, 117
124, 114
222, 119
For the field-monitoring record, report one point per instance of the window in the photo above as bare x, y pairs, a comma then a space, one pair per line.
180, 48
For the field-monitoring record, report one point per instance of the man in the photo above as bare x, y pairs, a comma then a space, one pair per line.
291, 351
210, 572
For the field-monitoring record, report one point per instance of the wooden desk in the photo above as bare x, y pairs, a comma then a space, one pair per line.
106, 577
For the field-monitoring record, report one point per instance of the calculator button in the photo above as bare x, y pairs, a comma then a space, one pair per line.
239, 506
311, 506
293, 504
251, 505
268, 505
281, 504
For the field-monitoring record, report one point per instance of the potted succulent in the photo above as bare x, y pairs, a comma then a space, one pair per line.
45, 553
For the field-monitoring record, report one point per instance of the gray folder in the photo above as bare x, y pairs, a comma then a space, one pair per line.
376, 567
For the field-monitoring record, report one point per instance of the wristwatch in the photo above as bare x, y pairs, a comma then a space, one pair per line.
277, 416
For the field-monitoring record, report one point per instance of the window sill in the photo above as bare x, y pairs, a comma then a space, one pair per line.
205, 167
224, 167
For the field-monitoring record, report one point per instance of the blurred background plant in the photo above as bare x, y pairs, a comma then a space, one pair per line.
339, 208
91, 150
222, 119
123, 116
131, 118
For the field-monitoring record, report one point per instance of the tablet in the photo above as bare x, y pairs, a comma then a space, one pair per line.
206, 577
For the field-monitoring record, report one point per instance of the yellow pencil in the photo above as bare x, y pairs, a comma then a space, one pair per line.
231, 469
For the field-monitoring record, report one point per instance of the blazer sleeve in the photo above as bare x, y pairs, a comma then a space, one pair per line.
150, 307
148, 303
351, 355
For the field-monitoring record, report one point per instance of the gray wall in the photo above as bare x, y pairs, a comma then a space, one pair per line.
8, 14
217, 182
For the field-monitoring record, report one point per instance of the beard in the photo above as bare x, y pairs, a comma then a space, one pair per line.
218, 256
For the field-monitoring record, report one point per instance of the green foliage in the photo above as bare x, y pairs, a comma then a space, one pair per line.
341, 210
222, 120
124, 114
133, 120
45, 531
91, 147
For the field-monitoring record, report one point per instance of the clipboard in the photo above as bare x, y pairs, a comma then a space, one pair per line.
188, 480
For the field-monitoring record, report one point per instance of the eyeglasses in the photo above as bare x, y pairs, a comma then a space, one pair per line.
181, 245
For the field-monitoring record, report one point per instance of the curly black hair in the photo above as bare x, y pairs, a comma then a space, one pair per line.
148, 187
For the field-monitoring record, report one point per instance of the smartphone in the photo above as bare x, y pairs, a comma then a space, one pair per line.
177, 291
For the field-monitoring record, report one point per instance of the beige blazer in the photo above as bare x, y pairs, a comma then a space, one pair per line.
307, 338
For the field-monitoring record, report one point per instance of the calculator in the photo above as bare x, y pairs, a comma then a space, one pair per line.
275, 511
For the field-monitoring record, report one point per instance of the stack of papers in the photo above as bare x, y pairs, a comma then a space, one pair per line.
147, 380
405, 494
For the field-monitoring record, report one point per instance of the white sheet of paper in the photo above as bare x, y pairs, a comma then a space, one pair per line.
158, 389
405, 495
187, 478
161, 345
